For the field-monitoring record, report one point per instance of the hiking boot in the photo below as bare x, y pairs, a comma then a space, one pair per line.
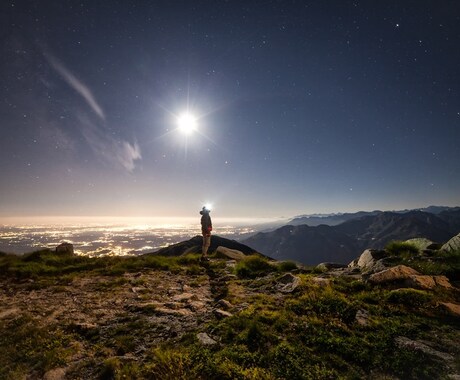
204, 259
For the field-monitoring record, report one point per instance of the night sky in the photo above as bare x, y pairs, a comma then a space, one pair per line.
301, 107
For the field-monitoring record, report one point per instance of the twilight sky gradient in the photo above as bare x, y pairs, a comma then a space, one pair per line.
302, 107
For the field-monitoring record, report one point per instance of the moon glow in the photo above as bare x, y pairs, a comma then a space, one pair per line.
187, 123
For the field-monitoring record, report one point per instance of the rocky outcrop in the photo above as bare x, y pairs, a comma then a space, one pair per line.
402, 341
288, 283
370, 261
452, 245
328, 266
205, 339
404, 276
234, 254
451, 308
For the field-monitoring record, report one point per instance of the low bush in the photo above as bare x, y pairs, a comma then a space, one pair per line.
409, 297
253, 266
287, 266
400, 247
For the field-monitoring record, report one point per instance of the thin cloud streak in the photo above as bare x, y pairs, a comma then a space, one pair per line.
76, 84
121, 153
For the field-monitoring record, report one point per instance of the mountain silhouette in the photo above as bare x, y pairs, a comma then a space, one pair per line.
194, 246
305, 244
343, 242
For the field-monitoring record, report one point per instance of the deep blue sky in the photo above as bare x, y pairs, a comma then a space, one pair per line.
303, 107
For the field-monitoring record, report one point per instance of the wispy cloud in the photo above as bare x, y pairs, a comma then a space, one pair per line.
76, 84
119, 152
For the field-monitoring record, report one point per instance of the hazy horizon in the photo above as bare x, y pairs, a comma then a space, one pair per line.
165, 221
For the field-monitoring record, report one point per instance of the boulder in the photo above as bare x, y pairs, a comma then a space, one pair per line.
224, 304
55, 374
420, 282
369, 258
205, 339
442, 281
65, 249
452, 245
394, 274
233, 254
287, 283
451, 308
362, 317
423, 244
408, 277
221, 314
415, 345
354, 263
328, 266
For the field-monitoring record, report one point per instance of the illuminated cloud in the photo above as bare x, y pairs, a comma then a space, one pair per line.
76, 84
116, 151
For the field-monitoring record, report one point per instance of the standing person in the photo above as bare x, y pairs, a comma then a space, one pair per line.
206, 228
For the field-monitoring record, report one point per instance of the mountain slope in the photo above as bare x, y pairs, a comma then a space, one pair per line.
377, 230
341, 243
305, 244
194, 245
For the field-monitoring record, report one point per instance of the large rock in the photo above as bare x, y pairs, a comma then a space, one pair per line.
394, 274
288, 283
407, 277
65, 249
451, 308
328, 266
422, 244
233, 254
369, 259
55, 374
205, 339
452, 245
415, 345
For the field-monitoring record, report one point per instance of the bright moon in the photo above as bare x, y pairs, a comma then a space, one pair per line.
187, 123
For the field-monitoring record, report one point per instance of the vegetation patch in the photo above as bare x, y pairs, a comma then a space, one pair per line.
253, 266
399, 247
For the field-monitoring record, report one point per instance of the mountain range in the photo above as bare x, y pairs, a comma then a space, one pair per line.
341, 242
337, 218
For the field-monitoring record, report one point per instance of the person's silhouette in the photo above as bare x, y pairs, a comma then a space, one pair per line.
206, 228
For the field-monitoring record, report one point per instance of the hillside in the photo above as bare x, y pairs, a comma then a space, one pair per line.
152, 317
195, 243
312, 245
309, 245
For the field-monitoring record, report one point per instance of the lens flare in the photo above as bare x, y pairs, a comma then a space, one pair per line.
187, 123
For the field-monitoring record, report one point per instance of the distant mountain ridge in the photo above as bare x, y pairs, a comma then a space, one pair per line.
344, 241
338, 218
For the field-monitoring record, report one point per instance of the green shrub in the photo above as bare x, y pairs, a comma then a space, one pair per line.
253, 266
169, 364
399, 247
409, 297
287, 266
